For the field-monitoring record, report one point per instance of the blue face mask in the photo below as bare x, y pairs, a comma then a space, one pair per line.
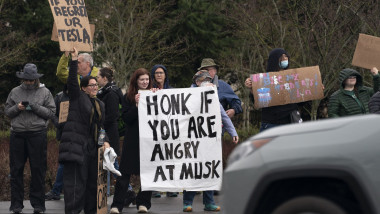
284, 64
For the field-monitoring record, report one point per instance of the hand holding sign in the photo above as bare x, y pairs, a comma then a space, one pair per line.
74, 54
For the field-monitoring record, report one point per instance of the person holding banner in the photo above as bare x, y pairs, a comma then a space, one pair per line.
78, 150
130, 158
352, 98
160, 78
203, 78
273, 116
85, 67
29, 106
227, 97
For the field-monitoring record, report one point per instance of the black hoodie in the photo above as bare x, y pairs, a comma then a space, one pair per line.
277, 114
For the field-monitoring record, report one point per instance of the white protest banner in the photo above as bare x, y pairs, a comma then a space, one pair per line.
70, 17
180, 139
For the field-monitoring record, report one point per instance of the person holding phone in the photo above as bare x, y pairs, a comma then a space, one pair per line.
29, 106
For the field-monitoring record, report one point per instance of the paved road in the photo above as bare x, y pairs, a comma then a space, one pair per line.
163, 205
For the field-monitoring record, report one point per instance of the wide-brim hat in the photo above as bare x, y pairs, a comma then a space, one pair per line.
201, 76
208, 62
29, 72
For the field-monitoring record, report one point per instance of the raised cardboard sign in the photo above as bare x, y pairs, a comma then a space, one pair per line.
101, 205
70, 17
54, 32
288, 86
367, 52
63, 111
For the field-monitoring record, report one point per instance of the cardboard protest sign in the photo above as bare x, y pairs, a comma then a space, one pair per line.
70, 17
63, 111
288, 86
367, 52
54, 32
101, 205
180, 139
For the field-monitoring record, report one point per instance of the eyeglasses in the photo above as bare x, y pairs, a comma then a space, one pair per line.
93, 85
159, 73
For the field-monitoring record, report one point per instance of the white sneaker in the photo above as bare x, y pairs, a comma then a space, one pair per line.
142, 209
114, 210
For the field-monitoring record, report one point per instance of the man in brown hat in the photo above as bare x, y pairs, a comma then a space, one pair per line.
227, 97
29, 106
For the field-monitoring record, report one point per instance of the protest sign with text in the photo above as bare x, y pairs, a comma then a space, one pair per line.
70, 17
367, 52
288, 86
180, 139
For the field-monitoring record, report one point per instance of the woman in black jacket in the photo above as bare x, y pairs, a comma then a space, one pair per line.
78, 149
130, 159
111, 96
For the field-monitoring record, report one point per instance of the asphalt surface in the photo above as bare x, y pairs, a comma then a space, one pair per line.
163, 205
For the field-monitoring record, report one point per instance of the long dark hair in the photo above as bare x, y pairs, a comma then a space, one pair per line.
133, 88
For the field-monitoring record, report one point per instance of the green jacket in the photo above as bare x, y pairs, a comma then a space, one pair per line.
342, 104
63, 71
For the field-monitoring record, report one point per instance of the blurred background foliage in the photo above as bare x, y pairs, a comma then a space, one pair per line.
238, 34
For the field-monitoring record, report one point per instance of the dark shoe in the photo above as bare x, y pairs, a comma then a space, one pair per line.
131, 198
17, 211
38, 210
156, 194
52, 196
172, 194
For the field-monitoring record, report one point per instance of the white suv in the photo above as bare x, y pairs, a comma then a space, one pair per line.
326, 167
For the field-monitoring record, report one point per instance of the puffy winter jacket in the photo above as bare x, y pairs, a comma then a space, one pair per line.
343, 104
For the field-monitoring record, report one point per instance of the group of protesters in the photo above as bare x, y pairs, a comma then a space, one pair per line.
31, 105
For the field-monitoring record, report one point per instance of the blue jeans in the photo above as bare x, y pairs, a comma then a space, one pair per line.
265, 126
188, 197
58, 184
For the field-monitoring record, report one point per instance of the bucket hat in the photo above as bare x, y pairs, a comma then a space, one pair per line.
208, 62
29, 72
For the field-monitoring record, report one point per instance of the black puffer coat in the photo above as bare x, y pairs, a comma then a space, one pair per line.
79, 137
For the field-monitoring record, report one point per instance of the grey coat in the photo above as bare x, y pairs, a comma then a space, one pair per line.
42, 107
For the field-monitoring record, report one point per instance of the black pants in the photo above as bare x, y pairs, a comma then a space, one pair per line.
143, 197
80, 189
32, 146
